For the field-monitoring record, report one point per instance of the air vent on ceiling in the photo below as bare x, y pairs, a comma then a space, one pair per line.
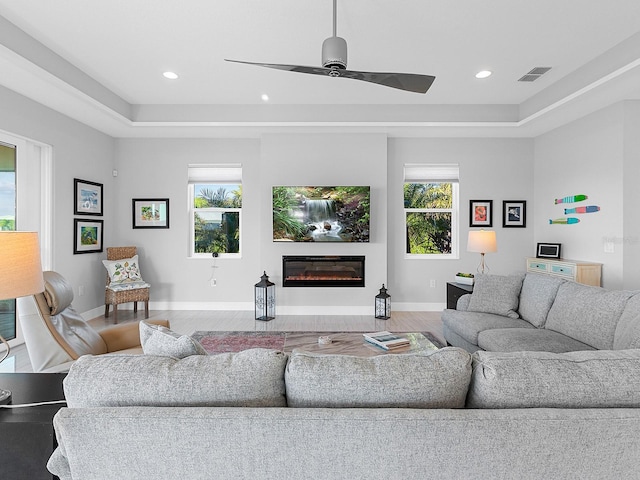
534, 74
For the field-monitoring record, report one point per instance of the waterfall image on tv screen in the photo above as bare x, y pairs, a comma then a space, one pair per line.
321, 214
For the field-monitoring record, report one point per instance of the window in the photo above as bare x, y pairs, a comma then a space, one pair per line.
7, 222
431, 210
215, 203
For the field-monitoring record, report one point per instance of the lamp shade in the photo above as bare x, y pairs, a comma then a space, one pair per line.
20, 267
482, 241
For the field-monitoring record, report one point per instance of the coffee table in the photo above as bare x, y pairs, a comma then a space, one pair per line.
352, 343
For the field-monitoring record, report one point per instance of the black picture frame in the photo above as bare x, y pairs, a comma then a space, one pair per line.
549, 250
150, 212
88, 235
514, 214
87, 197
480, 213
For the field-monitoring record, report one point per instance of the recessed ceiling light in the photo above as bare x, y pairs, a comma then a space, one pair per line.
265, 97
170, 75
483, 73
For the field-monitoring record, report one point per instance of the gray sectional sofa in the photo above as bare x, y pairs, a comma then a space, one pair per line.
535, 312
262, 414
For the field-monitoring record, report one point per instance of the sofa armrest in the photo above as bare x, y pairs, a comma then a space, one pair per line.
126, 335
463, 302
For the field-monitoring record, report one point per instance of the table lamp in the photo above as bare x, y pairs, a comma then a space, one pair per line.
482, 241
20, 274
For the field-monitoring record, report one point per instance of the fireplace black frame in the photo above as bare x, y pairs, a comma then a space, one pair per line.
330, 260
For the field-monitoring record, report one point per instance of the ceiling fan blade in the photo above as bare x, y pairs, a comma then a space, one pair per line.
288, 68
410, 82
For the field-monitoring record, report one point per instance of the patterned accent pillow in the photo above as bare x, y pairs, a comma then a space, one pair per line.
159, 340
125, 269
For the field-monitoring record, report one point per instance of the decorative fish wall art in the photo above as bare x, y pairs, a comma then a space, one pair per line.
571, 199
574, 210
589, 209
565, 221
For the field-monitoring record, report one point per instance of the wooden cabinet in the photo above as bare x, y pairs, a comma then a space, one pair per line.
588, 273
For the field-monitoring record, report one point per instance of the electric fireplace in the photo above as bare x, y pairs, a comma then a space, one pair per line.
323, 271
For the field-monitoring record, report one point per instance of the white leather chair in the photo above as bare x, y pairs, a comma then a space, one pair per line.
56, 335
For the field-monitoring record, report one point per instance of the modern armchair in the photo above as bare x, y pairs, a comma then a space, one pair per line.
56, 335
124, 281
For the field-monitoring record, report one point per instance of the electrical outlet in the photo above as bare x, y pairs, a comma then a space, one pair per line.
609, 247
432, 283
81, 290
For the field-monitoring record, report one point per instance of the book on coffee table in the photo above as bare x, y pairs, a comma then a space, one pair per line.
386, 340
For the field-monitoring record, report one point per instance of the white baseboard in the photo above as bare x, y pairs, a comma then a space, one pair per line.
280, 310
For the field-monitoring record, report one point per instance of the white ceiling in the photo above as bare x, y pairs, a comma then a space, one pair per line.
124, 46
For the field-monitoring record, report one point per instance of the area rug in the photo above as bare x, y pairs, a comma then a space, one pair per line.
225, 342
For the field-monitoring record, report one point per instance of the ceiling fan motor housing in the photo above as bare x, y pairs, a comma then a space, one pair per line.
334, 53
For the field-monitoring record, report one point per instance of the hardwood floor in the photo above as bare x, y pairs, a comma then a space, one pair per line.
188, 321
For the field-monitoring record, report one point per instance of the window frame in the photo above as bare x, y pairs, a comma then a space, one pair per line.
216, 171
437, 177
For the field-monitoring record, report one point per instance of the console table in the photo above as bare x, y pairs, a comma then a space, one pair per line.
588, 273
28, 439
455, 291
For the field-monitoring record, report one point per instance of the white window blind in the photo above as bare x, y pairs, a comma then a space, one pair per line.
424, 173
202, 174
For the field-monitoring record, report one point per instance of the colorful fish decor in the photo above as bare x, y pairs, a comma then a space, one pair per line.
564, 221
589, 209
571, 199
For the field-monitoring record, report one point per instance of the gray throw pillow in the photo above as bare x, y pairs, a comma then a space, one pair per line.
496, 294
159, 340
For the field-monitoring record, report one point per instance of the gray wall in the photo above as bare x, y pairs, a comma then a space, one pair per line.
78, 152
597, 155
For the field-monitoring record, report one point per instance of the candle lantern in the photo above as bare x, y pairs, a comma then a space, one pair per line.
265, 299
383, 304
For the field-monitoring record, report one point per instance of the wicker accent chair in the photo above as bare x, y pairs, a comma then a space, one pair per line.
124, 292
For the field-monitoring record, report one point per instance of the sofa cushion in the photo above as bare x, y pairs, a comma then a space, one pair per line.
469, 324
496, 294
251, 378
533, 339
627, 334
438, 379
536, 297
595, 379
588, 314
159, 340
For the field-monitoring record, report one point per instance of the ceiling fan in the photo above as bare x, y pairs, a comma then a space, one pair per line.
334, 64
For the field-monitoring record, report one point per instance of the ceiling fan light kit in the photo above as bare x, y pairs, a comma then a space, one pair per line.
334, 64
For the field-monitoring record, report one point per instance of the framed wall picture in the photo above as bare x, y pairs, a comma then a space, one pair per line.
480, 213
87, 197
150, 212
514, 214
548, 250
88, 235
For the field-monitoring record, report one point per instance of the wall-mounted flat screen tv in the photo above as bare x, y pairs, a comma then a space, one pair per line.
321, 214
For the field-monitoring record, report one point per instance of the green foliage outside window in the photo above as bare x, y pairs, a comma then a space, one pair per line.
217, 218
428, 217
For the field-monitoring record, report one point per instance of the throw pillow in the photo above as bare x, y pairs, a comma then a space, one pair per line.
496, 294
159, 340
439, 379
126, 269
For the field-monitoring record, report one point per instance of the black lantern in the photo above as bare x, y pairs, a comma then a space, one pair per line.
383, 304
265, 299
